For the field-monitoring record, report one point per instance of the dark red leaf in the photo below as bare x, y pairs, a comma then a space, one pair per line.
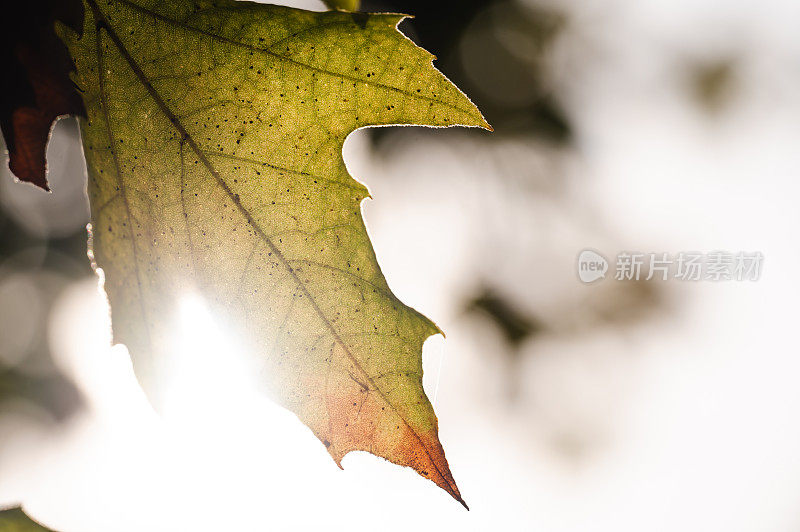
35, 83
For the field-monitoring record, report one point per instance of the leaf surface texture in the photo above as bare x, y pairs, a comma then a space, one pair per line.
214, 147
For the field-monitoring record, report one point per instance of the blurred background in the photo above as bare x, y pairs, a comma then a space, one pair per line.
663, 405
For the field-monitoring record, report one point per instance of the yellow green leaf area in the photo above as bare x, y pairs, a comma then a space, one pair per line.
214, 148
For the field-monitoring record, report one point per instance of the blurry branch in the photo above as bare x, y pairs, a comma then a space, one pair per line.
712, 83
610, 305
515, 325
625, 303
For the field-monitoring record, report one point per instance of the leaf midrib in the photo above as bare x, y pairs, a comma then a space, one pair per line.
102, 22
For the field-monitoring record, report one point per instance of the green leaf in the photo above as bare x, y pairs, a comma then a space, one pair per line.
214, 147
343, 5
15, 520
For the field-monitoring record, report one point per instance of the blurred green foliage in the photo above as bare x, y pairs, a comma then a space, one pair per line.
15, 520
